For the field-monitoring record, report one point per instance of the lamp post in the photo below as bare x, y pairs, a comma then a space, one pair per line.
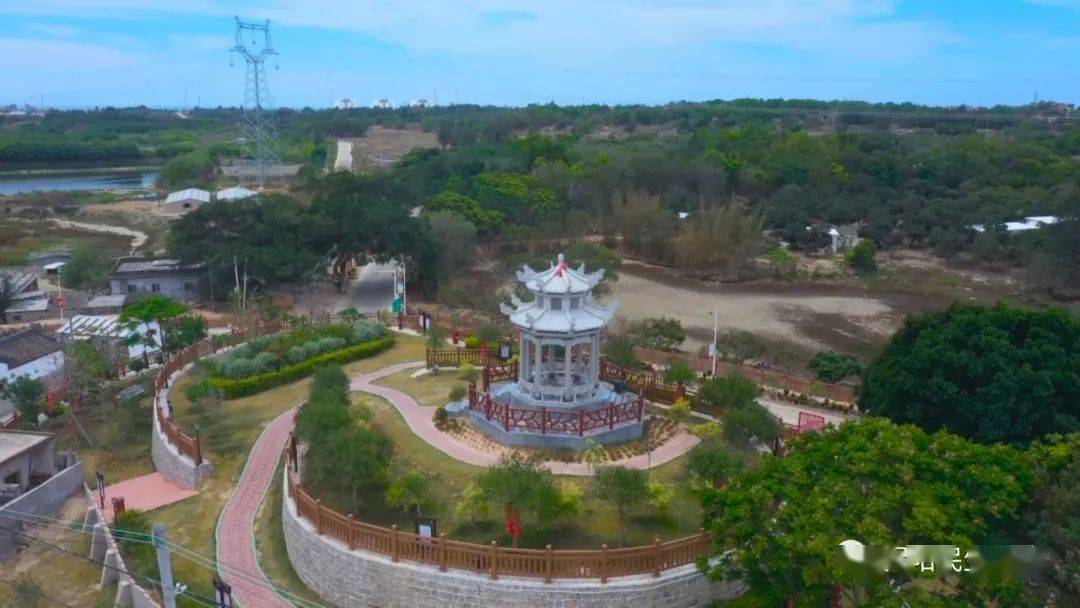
715, 338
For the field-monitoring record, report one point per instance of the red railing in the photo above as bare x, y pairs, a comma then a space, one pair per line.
492, 560
558, 420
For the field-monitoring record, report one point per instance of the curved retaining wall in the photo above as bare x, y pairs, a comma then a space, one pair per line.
361, 578
168, 460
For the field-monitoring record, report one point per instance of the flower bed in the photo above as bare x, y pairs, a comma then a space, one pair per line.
273, 360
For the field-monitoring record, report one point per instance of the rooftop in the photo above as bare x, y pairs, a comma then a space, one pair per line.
1032, 222
190, 194
559, 279
234, 193
20, 280
142, 265
105, 301
14, 443
24, 346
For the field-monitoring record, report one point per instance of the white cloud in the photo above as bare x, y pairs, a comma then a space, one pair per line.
32, 54
202, 43
567, 30
56, 30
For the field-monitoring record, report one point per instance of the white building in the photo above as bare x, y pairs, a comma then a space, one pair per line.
420, 103
183, 201
345, 103
107, 331
1032, 222
383, 104
29, 352
234, 194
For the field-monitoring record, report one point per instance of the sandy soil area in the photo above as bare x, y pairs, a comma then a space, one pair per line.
805, 318
138, 238
380, 148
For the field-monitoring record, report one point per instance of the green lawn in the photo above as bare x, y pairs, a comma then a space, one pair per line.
597, 523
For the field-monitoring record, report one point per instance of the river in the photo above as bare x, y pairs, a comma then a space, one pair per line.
69, 182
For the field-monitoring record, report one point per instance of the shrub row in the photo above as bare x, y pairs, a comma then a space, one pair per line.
233, 388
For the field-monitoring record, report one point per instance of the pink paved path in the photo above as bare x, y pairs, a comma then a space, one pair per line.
144, 493
419, 420
236, 526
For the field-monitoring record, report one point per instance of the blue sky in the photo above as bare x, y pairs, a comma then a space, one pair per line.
120, 52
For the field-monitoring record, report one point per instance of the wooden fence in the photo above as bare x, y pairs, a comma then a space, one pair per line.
772, 379
492, 560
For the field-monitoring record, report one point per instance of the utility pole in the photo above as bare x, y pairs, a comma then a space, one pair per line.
168, 590
715, 338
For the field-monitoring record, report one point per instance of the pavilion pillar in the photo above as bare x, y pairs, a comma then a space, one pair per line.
523, 364
568, 350
594, 359
537, 366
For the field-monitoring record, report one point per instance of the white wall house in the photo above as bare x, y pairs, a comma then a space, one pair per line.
183, 201
29, 352
107, 329
233, 194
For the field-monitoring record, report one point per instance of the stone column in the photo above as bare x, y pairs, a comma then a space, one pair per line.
594, 359
537, 366
568, 349
523, 356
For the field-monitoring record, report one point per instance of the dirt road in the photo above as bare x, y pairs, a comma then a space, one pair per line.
797, 318
137, 238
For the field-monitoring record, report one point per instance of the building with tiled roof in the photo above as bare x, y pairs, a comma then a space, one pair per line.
29, 352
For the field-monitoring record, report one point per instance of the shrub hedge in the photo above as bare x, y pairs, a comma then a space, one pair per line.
241, 387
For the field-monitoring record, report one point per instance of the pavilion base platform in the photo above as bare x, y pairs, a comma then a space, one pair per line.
621, 433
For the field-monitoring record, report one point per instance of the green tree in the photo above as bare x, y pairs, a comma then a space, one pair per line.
28, 394
778, 527
520, 483
620, 351
461, 205
408, 491
729, 392
623, 487
86, 269
327, 407
861, 257
436, 337
184, 331
752, 419
830, 366
998, 374
680, 373
488, 334
1053, 517
712, 464
138, 317
456, 240
662, 333
354, 456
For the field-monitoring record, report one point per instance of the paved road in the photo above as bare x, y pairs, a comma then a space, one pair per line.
236, 526
419, 420
372, 290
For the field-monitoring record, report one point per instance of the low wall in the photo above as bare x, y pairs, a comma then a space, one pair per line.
361, 578
168, 460
622, 433
103, 549
45, 499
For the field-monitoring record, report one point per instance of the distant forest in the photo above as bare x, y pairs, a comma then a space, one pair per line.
911, 175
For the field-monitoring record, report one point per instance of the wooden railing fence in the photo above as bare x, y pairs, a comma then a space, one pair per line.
492, 560
772, 379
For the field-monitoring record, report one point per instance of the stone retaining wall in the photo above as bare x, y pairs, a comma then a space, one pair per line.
168, 461
360, 578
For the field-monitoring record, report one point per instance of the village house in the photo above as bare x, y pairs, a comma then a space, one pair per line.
29, 352
33, 479
234, 193
109, 336
139, 277
182, 201
844, 237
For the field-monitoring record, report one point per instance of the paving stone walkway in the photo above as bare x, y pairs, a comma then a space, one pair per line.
236, 526
144, 493
419, 420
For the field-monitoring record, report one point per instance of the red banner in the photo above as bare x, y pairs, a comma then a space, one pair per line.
810, 422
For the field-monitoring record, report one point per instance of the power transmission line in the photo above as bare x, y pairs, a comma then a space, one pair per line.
259, 149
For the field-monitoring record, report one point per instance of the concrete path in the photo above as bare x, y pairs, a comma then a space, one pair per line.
144, 493
419, 420
236, 527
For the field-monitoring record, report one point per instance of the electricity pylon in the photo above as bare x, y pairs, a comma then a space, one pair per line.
259, 150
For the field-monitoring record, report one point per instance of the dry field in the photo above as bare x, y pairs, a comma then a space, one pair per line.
380, 148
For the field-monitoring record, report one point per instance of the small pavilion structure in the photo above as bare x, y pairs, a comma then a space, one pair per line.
556, 398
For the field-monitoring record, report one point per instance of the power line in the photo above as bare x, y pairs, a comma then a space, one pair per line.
192, 596
145, 538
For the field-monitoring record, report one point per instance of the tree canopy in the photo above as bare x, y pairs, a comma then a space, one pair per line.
1000, 374
871, 481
